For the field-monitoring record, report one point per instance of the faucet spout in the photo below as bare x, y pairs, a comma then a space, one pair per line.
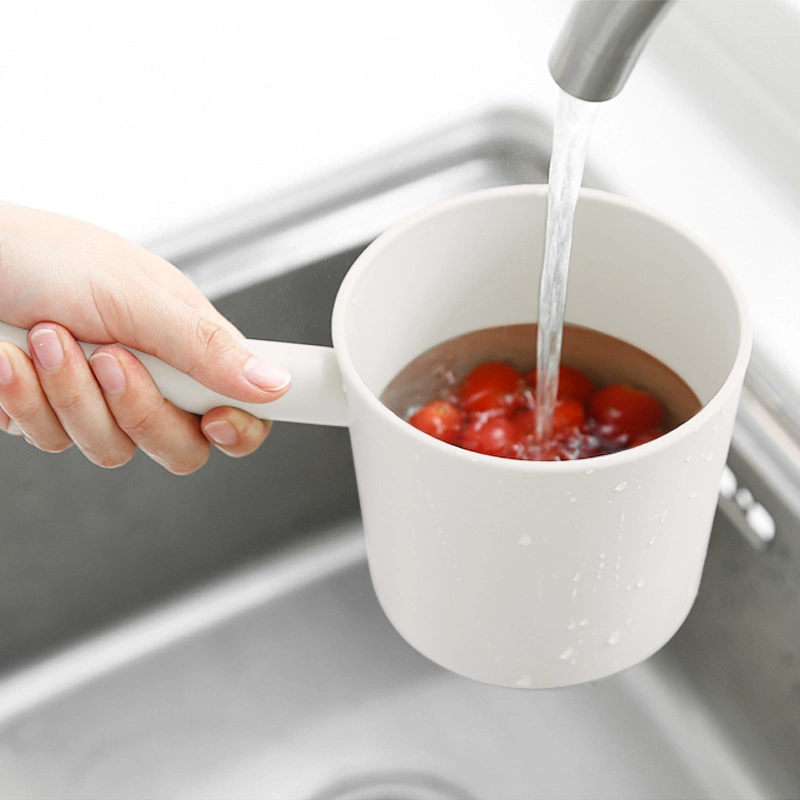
600, 43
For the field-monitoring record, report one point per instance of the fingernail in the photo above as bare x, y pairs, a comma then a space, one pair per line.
47, 347
221, 432
265, 376
108, 372
6, 370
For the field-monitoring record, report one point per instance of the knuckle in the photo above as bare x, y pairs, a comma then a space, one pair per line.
213, 339
68, 403
142, 423
25, 410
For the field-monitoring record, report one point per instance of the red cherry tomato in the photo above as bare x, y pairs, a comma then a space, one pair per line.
496, 436
571, 383
492, 385
525, 420
568, 414
621, 410
440, 419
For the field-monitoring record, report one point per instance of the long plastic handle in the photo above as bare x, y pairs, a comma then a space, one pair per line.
316, 395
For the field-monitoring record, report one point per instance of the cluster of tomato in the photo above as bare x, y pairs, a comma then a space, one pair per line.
493, 411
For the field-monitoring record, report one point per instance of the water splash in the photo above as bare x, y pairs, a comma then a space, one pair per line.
573, 123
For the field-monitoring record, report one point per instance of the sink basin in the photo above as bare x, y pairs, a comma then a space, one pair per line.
217, 636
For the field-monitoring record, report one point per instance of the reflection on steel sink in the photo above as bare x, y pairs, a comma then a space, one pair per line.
217, 636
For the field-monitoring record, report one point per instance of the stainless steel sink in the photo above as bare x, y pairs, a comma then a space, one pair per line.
217, 636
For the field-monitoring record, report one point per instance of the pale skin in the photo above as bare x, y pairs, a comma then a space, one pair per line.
68, 281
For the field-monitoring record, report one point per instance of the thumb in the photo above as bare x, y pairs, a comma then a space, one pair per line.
201, 345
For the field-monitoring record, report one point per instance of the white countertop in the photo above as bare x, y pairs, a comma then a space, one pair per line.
145, 117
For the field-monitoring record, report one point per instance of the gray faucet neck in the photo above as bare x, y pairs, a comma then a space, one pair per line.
600, 43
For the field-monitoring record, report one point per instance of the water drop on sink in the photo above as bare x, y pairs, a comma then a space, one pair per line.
640, 583
621, 487
567, 654
525, 682
614, 638
524, 540
589, 471
688, 458
708, 456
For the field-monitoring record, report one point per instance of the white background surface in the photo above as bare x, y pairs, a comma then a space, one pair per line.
147, 116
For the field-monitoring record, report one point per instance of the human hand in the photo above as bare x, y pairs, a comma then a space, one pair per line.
66, 281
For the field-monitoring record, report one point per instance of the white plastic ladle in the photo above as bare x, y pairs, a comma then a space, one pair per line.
314, 370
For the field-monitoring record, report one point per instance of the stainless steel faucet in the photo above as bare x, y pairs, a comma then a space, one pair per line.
599, 44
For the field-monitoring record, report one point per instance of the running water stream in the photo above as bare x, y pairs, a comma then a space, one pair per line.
573, 123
